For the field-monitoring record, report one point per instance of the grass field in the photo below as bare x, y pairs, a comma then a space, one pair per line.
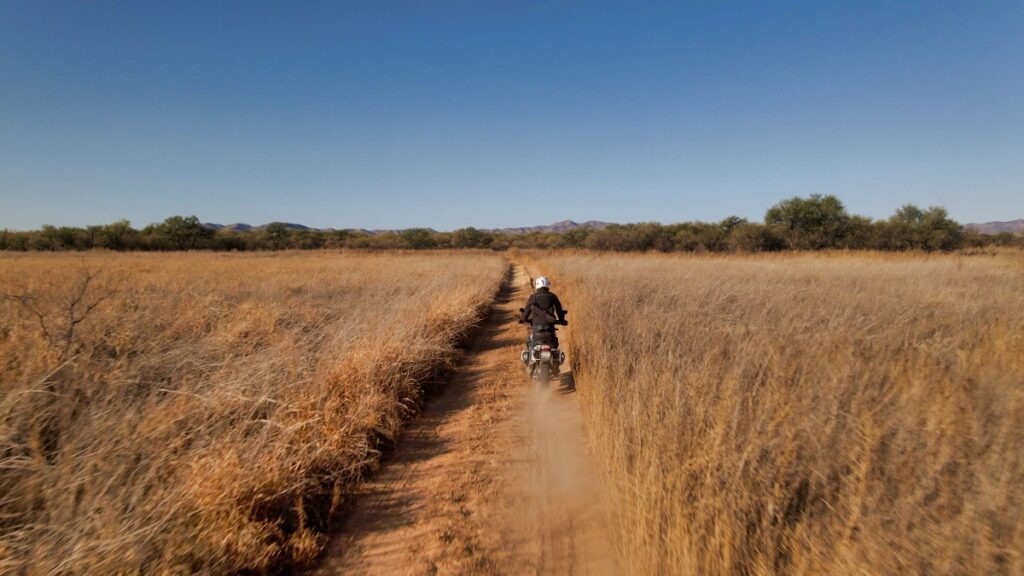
804, 414
819, 413
199, 412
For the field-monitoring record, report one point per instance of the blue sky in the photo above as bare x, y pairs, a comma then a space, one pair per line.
450, 114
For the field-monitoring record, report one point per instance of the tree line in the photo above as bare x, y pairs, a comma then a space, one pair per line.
812, 223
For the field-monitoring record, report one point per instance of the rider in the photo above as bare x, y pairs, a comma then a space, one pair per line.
543, 311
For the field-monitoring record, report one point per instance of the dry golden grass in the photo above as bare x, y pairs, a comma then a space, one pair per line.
209, 408
805, 414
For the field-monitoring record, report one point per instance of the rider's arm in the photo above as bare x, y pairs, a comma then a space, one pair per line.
525, 316
559, 313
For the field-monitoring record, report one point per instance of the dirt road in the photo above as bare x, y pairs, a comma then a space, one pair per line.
492, 478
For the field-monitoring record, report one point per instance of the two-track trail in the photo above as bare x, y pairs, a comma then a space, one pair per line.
492, 478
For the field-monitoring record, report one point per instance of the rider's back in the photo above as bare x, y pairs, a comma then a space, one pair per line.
548, 309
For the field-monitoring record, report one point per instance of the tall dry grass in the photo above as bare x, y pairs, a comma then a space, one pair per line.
805, 414
209, 408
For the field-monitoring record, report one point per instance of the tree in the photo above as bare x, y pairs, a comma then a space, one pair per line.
337, 238
697, 236
308, 239
277, 233
418, 238
228, 240
810, 223
940, 231
47, 239
627, 237
17, 241
931, 229
182, 233
469, 238
861, 233
908, 214
730, 223
748, 237
573, 238
52, 238
117, 235
383, 241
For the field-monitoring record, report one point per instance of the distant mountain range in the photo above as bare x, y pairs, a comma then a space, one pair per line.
563, 226
240, 227
1012, 226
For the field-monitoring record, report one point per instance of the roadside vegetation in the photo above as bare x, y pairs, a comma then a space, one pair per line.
181, 413
813, 223
804, 413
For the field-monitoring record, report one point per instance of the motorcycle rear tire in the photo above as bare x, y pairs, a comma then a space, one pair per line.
543, 374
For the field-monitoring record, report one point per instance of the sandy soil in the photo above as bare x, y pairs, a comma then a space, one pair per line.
492, 478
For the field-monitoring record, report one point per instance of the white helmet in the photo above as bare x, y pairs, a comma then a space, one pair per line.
541, 282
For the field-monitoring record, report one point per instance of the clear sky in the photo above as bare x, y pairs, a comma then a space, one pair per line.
450, 114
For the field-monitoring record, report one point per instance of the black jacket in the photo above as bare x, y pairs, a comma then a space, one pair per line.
545, 301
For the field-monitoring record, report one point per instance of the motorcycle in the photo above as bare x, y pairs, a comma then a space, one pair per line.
542, 356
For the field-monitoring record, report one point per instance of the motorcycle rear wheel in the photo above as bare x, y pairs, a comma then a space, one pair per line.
543, 375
